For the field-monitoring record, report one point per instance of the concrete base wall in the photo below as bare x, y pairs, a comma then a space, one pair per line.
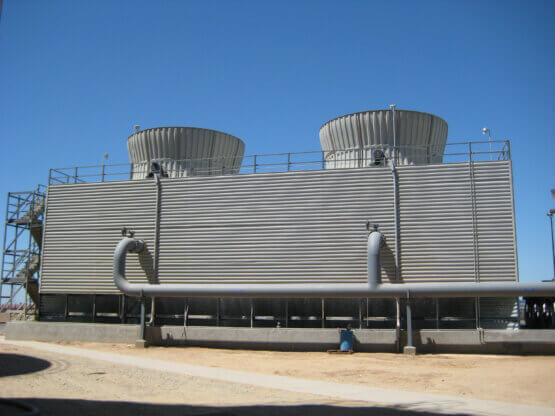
269, 338
366, 340
57, 331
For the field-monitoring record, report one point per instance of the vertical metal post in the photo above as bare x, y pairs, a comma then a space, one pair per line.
76, 173
367, 312
119, 306
102, 174
323, 314
396, 222
143, 318
490, 146
409, 323
393, 106
288, 162
437, 313
94, 308
360, 313
252, 314
123, 309
14, 257
398, 324
286, 313
474, 219
4, 247
474, 234
323, 160
550, 215
254, 164
152, 320
217, 311
477, 318
66, 310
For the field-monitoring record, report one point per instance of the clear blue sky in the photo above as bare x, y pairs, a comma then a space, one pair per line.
77, 75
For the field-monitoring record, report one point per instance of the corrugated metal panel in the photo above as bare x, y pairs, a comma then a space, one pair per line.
83, 225
302, 227
185, 151
279, 227
421, 137
495, 221
288, 227
436, 227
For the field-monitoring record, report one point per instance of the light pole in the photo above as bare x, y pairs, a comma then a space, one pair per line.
487, 131
550, 215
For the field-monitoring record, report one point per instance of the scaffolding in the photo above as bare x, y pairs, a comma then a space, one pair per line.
21, 251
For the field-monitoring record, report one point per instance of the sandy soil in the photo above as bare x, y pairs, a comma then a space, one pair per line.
517, 379
68, 385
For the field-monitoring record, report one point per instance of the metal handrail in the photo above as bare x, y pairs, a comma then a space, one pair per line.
259, 163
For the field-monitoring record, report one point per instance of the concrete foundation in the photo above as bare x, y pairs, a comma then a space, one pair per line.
409, 350
69, 332
366, 340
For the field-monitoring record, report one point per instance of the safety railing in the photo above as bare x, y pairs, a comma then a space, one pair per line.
371, 156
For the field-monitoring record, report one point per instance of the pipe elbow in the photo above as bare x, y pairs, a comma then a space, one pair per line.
126, 245
375, 241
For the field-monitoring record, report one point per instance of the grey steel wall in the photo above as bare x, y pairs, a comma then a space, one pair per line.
457, 222
83, 223
185, 151
285, 227
349, 140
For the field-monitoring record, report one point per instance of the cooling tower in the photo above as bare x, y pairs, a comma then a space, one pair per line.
366, 138
184, 151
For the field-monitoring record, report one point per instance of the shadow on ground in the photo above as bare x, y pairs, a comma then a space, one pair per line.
16, 364
51, 407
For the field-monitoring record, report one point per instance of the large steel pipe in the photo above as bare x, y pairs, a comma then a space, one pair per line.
372, 289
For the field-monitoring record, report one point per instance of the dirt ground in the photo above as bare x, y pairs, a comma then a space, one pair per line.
68, 385
517, 379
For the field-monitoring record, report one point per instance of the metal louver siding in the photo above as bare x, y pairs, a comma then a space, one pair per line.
284, 227
438, 234
82, 226
301, 227
294, 227
348, 140
495, 221
185, 151
436, 224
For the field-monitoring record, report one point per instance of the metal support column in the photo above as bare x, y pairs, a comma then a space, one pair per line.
409, 348
141, 342
409, 324
94, 308
398, 324
143, 318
